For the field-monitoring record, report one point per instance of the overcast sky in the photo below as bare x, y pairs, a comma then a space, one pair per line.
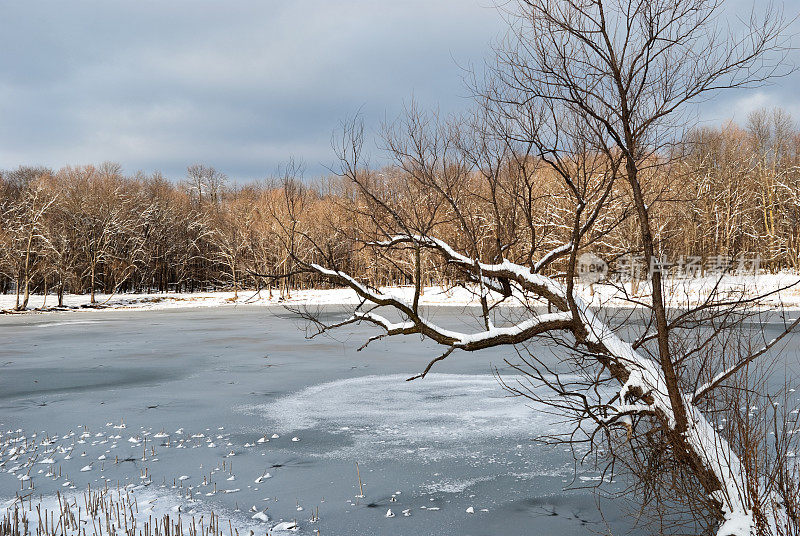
242, 86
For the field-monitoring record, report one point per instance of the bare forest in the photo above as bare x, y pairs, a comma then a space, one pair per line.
721, 191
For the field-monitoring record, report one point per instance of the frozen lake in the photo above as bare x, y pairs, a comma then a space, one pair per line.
233, 410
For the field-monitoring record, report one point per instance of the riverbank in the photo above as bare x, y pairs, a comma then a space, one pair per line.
776, 290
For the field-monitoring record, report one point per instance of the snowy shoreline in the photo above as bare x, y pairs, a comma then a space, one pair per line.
784, 289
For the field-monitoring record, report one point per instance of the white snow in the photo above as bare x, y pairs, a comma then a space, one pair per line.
386, 417
261, 516
679, 292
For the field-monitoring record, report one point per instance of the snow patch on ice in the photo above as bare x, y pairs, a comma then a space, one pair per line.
452, 486
387, 417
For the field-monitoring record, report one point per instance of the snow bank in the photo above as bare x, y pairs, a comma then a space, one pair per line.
680, 293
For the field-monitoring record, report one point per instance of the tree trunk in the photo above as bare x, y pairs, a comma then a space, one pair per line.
235, 282
92, 301
27, 271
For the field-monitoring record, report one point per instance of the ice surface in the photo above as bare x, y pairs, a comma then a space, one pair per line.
173, 378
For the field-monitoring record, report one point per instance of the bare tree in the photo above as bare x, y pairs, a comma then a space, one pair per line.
25, 221
593, 92
770, 134
205, 182
61, 251
104, 223
229, 235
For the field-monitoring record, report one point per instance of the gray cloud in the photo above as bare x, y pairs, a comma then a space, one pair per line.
240, 85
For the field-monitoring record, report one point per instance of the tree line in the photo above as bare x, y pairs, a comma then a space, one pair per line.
722, 191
